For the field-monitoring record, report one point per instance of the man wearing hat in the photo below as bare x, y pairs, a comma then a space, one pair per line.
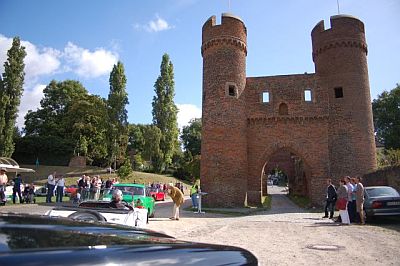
3, 183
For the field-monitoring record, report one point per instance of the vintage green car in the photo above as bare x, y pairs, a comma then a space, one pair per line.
135, 193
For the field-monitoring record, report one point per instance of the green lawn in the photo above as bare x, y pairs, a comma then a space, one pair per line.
73, 173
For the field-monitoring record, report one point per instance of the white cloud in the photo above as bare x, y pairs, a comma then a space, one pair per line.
37, 61
156, 25
47, 60
89, 64
30, 101
186, 113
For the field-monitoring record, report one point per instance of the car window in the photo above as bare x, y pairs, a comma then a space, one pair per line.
382, 192
130, 190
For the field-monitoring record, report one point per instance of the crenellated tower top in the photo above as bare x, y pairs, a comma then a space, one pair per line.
346, 31
231, 31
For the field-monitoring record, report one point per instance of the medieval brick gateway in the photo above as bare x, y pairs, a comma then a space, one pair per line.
319, 124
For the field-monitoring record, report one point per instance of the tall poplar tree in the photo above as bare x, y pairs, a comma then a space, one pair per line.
118, 115
165, 111
10, 95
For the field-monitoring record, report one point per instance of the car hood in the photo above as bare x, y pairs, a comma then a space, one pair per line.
41, 240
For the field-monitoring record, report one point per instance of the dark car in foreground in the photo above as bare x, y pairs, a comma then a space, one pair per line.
381, 201
41, 240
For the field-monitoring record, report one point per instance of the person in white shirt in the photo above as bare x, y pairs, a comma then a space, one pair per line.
3, 183
51, 184
60, 183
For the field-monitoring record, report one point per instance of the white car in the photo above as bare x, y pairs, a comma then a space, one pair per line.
100, 211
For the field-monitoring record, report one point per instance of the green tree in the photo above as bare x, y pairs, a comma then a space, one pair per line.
86, 118
165, 111
191, 137
125, 170
118, 115
69, 113
151, 148
386, 110
50, 119
11, 89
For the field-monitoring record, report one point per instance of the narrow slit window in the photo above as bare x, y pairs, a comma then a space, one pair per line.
231, 90
339, 92
307, 95
265, 97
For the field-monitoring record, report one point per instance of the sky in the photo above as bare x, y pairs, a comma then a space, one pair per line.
82, 40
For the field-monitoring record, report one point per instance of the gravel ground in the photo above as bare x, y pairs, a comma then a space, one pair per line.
284, 235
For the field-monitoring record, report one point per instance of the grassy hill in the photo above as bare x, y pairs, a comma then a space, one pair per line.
73, 173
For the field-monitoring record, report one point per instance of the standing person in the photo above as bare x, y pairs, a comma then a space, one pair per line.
351, 204
342, 199
97, 185
51, 184
60, 188
360, 199
17, 188
177, 197
3, 183
331, 197
194, 190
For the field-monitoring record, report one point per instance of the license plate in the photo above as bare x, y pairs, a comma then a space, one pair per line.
394, 203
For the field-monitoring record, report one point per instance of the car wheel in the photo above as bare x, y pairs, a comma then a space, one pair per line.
87, 216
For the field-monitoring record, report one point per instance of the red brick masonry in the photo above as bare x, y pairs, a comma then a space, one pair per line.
331, 134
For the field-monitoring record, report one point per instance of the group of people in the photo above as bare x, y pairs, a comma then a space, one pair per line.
92, 187
25, 195
348, 198
55, 186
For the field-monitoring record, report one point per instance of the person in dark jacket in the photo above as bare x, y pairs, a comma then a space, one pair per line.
331, 197
116, 201
17, 188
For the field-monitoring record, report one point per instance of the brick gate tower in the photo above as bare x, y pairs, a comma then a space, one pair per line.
224, 168
319, 124
340, 57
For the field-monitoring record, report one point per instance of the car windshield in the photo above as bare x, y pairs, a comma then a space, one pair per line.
382, 192
131, 190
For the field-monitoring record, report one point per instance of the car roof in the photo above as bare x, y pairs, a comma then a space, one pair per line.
128, 185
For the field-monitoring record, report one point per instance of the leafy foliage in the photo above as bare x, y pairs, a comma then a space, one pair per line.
117, 113
191, 137
386, 110
50, 150
165, 113
49, 120
125, 170
69, 113
388, 158
11, 89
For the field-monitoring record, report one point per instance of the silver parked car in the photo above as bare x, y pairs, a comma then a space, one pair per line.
381, 201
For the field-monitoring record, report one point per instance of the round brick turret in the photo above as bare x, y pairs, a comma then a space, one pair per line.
224, 144
340, 57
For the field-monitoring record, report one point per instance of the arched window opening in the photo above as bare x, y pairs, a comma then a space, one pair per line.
283, 109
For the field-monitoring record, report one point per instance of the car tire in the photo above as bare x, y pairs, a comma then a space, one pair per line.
87, 216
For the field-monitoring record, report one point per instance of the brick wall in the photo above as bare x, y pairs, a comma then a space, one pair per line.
241, 134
